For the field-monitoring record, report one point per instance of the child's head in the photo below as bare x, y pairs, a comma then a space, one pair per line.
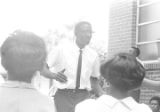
135, 51
123, 72
154, 103
22, 54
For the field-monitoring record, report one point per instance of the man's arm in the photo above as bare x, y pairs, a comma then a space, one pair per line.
57, 76
47, 73
151, 84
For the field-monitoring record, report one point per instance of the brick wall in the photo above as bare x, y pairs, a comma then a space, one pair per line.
122, 35
122, 26
152, 72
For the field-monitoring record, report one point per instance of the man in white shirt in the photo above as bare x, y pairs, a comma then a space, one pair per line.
135, 52
124, 73
76, 69
148, 83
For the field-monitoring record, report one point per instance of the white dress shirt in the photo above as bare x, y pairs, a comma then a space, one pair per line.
66, 57
23, 97
107, 103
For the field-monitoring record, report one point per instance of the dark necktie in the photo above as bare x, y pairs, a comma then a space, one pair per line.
79, 69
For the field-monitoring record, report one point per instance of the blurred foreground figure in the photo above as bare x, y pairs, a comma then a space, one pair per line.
22, 55
124, 73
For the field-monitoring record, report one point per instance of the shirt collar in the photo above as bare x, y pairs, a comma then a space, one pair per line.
130, 102
77, 48
110, 101
17, 84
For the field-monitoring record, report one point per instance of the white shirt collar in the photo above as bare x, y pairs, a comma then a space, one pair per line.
110, 101
77, 48
17, 84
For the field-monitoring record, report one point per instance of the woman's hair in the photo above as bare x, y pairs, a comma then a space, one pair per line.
123, 72
23, 52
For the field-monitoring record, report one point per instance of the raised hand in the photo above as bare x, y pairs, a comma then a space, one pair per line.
60, 76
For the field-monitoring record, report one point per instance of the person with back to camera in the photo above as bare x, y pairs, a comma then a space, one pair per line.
79, 69
124, 73
154, 103
22, 55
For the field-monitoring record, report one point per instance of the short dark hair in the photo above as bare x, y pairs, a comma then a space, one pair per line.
137, 50
79, 24
157, 98
123, 72
23, 52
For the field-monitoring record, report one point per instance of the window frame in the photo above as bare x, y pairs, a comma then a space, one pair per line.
144, 24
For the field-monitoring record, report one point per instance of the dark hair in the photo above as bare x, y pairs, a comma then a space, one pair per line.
157, 98
79, 24
23, 52
123, 72
137, 50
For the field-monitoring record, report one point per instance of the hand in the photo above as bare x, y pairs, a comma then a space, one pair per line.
61, 77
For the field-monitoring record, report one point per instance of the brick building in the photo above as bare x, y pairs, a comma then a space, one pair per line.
136, 23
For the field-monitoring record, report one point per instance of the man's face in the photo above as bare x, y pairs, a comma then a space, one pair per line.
154, 105
83, 35
133, 52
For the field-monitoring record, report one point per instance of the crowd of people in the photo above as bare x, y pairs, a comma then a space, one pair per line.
75, 69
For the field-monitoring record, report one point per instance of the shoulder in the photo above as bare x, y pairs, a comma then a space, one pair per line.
86, 106
34, 100
102, 104
142, 107
43, 102
135, 106
86, 103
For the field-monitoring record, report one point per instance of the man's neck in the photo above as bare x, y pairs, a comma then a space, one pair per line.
23, 78
80, 46
118, 94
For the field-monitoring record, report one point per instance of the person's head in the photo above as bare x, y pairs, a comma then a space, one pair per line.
123, 72
134, 51
22, 54
154, 103
83, 33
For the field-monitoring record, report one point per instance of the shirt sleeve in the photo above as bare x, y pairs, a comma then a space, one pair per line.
53, 57
96, 68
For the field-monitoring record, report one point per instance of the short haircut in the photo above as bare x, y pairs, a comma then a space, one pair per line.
137, 50
157, 98
123, 72
79, 24
23, 52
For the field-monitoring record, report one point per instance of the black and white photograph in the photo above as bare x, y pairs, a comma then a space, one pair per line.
79, 56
